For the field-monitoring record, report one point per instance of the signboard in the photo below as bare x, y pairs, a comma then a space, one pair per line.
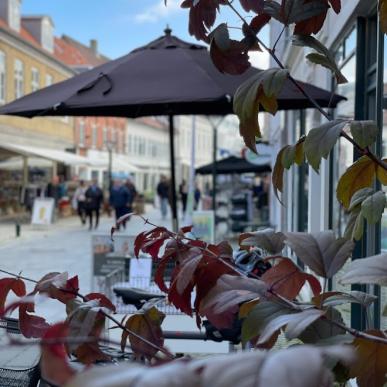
43, 211
109, 255
204, 225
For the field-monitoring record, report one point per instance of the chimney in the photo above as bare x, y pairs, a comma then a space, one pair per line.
94, 46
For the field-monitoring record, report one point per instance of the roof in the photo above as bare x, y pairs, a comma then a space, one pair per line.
68, 54
88, 55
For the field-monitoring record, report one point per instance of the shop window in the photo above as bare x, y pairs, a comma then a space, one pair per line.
81, 131
35, 79
94, 136
2, 77
19, 78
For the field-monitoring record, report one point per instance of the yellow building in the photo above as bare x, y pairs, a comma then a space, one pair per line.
27, 63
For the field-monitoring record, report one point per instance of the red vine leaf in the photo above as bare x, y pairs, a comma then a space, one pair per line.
287, 279
228, 55
202, 15
30, 324
103, 300
54, 365
58, 286
252, 5
221, 304
8, 284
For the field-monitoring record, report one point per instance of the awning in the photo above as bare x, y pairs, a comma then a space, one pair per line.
16, 163
46, 153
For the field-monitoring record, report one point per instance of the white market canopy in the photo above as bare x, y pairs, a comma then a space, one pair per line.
46, 153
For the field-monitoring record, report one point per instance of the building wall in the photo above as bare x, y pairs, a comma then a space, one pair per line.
53, 131
282, 128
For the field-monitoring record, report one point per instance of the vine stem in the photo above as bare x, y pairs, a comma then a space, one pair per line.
107, 315
365, 151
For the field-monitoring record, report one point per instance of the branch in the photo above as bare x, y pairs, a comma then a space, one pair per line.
107, 315
365, 151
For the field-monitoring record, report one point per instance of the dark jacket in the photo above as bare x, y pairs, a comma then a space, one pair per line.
120, 197
94, 198
163, 190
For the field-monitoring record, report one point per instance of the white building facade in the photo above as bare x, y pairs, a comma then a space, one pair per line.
309, 198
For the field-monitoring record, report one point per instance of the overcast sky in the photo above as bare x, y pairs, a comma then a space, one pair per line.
124, 26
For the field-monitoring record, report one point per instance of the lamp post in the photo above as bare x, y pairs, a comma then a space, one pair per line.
110, 146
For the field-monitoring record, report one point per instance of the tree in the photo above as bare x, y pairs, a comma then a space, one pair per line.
268, 304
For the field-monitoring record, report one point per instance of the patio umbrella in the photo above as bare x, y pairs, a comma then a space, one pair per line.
233, 164
168, 76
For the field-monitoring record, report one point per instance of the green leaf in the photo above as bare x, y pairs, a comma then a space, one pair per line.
355, 225
321, 251
295, 323
359, 196
320, 141
259, 317
295, 11
371, 270
259, 90
293, 154
353, 296
268, 239
364, 133
323, 56
372, 208
322, 329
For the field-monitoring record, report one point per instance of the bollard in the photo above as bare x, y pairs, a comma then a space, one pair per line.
18, 229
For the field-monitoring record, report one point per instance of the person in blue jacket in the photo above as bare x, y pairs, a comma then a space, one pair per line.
120, 199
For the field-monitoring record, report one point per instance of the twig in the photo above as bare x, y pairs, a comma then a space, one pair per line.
278, 38
107, 315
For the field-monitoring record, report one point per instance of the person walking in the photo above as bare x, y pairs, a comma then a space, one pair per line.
132, 192
94, 199
183, 191
121, 200
79, 201
163, 194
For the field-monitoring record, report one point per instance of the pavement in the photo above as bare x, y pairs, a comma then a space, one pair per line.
66, 246
63, 246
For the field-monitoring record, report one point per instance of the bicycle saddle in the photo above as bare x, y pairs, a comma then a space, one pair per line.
135, 296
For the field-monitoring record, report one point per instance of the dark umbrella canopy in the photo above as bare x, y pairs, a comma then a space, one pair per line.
232, 165
167, 76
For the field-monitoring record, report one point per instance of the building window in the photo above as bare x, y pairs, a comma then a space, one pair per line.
2, 77
82, 133
35, 79
94, 136
19, 78
49, 79
104, 137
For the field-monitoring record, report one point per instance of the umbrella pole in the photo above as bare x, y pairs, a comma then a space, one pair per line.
175, 224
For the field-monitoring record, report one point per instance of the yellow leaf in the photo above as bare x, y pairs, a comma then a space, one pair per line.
299, 154
382, 174
277, 177
370, 367
269, 104
246, 307
383, 15
359, 175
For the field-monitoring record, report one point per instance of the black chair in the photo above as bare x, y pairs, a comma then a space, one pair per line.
9, 377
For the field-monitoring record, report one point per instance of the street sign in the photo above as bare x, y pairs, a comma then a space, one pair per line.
43, 211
